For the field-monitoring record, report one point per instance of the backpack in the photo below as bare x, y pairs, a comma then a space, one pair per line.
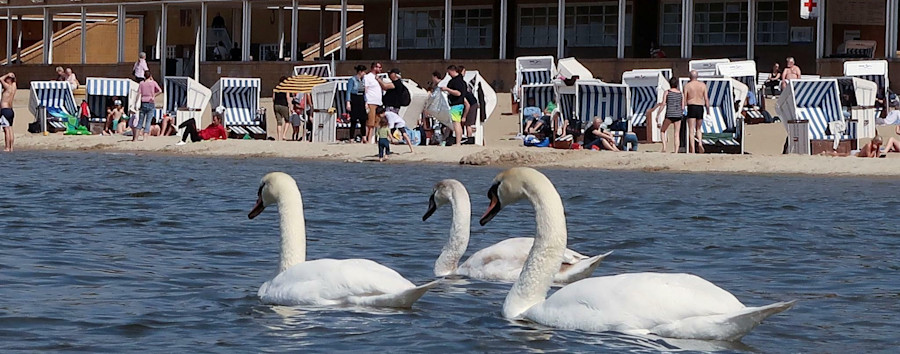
405, 98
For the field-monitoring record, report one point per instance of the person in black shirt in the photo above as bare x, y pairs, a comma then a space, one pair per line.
282, 112
456, 89
394, 91
595, 137
236, 54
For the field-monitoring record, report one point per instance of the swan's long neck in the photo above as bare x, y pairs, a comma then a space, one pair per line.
293, 230
546, 254
459, 233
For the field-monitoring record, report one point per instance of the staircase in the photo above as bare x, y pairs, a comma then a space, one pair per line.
333, 43
67, 44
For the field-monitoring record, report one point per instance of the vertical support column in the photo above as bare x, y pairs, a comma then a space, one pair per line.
620, 41
83, 35
751, 29
163, 35
395, 13
293, 30
504, 5
48, 36
245, 30
280, 33
204, 13
120, 34
343, 30
890, 29
447, 22
199, 46
687, 29
9, 37
322, 31
19, 38
820, 31
561, 30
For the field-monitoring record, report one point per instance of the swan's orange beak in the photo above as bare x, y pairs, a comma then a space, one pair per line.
259, 207
494, 207
432, 207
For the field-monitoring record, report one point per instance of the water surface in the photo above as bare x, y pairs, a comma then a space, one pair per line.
116, 252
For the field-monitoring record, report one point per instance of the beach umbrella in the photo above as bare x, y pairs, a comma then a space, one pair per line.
299, 84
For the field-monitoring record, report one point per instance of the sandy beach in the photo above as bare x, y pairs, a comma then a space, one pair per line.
764, 143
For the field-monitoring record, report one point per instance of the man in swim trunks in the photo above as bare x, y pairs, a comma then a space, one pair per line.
456, 89
7, 115
696, 98
791, 72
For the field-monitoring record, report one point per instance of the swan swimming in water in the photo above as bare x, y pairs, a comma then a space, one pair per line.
501, 261
669, 305
323, 282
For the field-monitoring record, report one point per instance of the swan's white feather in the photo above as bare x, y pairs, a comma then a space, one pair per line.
326, 282
503, 261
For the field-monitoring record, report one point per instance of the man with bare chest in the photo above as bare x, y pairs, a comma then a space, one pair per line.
791, 72
696, 97
7, 115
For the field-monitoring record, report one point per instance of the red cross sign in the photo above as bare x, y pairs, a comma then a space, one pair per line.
809, 9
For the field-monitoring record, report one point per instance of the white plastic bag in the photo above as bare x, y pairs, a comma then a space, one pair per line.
437, 107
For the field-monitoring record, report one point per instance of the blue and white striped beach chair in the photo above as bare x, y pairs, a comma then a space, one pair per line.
541, 94
56, 94
320, 70
240, 97
723, 127
808, 107
647, 90
100, 91
536, 70
599, 99
185, 99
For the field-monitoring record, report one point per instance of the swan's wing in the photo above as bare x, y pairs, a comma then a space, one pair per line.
501, 261
633, 303
325, 282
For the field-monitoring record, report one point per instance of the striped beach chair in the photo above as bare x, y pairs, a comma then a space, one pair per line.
240, 97
320, 70
100, 91
872, 70
599, 99
185, 98
647, 89
808, 108
536, 70
541, 94
56, 94
723, 128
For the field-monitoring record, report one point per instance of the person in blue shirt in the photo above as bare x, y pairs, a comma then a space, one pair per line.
531, 114
356, 103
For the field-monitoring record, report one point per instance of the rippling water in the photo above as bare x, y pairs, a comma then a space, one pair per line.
106, 252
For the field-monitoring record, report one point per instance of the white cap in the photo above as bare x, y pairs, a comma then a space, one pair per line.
220, 109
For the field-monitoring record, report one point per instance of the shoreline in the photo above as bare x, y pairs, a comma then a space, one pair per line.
506, 153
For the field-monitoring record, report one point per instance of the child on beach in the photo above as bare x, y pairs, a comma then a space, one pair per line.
383, 135
297, 119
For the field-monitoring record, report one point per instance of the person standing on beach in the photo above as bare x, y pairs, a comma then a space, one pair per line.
791, 71
383, 134
374, 94
395, 92
140, 67
673, 103
456, 89
356, 103
7, 115
696, 97
282, 112
147, 89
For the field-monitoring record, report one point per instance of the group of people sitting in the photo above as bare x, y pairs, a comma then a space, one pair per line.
538, 130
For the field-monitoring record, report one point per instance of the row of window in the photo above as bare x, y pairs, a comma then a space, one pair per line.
722, 22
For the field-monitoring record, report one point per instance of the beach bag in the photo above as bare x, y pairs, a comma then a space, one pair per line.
415, 136
437, 107
405, 98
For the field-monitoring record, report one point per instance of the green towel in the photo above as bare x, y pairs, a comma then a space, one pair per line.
247, 137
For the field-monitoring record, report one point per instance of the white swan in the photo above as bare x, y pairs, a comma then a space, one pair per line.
323, 282
669, 305
501, 261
